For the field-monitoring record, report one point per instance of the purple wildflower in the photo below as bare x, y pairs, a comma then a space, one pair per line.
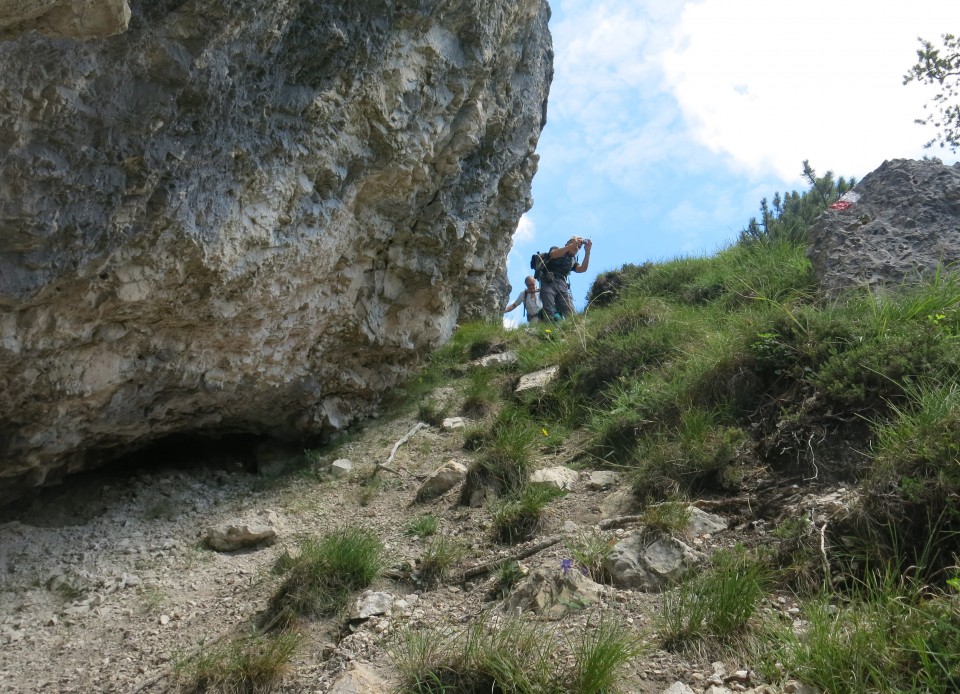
566, 565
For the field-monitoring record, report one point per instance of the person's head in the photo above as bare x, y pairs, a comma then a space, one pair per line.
530, 282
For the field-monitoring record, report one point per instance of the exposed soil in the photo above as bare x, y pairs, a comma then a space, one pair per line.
105, 582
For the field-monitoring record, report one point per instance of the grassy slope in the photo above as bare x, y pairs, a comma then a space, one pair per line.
712, 376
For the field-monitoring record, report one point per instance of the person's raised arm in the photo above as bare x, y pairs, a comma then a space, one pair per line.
582, 267
571, 248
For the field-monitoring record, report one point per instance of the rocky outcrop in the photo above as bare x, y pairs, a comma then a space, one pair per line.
899, 223
248, 217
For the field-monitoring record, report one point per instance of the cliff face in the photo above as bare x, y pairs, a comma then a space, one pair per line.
250, 217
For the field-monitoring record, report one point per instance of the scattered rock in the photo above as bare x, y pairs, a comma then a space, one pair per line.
650, 561
678, 688
618, 503
442, 480
537, 380
559, 477
600, 480
453, 423
372, 603
341, 467
555, 593
502, 359
229, 537
361, 680
703, 523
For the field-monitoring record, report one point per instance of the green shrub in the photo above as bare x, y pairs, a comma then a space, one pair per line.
876, 371
696, 457
252, 663
326, 573
518, 517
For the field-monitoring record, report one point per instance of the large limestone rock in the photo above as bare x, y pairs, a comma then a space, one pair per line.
902, 222
251, 217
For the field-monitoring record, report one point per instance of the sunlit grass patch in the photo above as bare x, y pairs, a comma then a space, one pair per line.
253, 663
322, 577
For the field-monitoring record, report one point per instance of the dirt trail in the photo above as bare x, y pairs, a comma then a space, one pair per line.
104, 581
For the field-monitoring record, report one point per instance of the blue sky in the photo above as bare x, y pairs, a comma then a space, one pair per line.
669, 120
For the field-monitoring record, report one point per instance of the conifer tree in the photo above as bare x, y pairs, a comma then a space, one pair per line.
793, 213
940, 66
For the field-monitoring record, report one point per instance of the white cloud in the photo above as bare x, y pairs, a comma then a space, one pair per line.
526, 230
769, 84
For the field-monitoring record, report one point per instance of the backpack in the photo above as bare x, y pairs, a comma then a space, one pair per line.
546, 268
538, 263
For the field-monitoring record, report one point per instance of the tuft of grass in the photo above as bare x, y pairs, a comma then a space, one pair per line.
507, 575
589, 550
423, 526
253, 663
519, 517
890, 635
433, 412
671, 517
480, 393
438, 558
152, 598
914, 482
370, 487
504, 461
600, 654
697, 456
325, 573
512, 656
796, 554
716, 604
474, 437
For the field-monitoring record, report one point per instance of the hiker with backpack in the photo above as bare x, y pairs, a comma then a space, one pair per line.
530, 298
553, 268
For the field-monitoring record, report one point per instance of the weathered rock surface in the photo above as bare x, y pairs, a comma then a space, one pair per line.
442, 480
559, 477
538, 380
250, 218
229, 537
650, 562
903, 223
555, 593
80, 19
